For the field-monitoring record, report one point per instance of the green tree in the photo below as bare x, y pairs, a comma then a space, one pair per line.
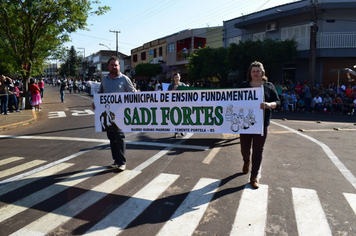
70, 66
31, 30
270, 52
209, 63
149, 70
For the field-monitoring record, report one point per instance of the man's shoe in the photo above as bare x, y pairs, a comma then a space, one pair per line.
183, 134
122, 167
246, 167
115, 165
175, 135
254, 182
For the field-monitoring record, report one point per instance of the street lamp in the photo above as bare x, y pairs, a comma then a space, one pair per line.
101, 44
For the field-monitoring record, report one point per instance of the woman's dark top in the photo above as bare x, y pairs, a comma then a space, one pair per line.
270, 94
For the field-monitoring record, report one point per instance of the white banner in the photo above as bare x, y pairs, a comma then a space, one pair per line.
188, 111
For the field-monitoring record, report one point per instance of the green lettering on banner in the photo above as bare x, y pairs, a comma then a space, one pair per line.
179, 116
154, 121
127, 119
144, 112
218, 115
135, 118
197, 111
187, 112
165, 115
208, 115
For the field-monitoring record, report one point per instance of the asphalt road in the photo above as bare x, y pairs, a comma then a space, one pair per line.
54, 179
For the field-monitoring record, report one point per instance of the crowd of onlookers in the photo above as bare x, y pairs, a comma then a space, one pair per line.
337, 99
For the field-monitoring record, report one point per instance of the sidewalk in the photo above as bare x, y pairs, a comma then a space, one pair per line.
16, 119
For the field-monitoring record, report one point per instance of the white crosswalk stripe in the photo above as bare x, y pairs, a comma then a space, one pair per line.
9, 160
22, 167
247, 223
112, 225
187, 215
310, 217
351, 198
70, 209
37, 197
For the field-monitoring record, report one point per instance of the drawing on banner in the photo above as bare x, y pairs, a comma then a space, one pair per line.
239, 121
107, 120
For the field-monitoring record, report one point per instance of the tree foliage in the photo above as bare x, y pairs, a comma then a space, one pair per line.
31, 30
270, 52
71, 65
149, 70
208, 63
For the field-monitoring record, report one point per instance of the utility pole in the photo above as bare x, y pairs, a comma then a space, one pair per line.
313, 32
117, 42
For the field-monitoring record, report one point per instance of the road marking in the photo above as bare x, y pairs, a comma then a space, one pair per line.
64, 213
56, 114
133, 207
32, 178
41, 168
309, 214
342, 168
351, 198
160, 154
9, 160
251, 215
174, 145
20, 168
37, 197
211, 155
186, 218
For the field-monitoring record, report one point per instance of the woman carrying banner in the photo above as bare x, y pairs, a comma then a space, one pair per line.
256, 78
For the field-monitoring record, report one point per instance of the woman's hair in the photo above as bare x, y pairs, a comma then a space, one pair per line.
259, 65
32, 81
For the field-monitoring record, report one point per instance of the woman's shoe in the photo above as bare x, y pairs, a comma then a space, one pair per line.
254, 182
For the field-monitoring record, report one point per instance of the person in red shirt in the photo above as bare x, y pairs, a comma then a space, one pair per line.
35, 94
348, 90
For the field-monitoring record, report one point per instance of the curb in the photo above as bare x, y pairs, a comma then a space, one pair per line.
18, 124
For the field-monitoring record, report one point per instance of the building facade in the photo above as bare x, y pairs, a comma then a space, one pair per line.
95, 66
172, 52
333, 48
52, 70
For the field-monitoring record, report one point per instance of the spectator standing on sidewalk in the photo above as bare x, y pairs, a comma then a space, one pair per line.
62, 89
41, 87
35, 94
174, 86
307, 97
4, 93
116, 82
13, 95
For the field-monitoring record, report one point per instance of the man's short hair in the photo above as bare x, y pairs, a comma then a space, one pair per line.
113, 58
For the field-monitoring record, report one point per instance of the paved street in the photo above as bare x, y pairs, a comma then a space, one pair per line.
54, 178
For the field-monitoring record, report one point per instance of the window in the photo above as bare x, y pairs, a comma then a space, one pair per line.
171, 47
235, 40
259, 36
160, 52
300, 33
143, 56
155, 53
135, 58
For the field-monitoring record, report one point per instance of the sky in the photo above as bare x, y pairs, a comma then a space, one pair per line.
143, 21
